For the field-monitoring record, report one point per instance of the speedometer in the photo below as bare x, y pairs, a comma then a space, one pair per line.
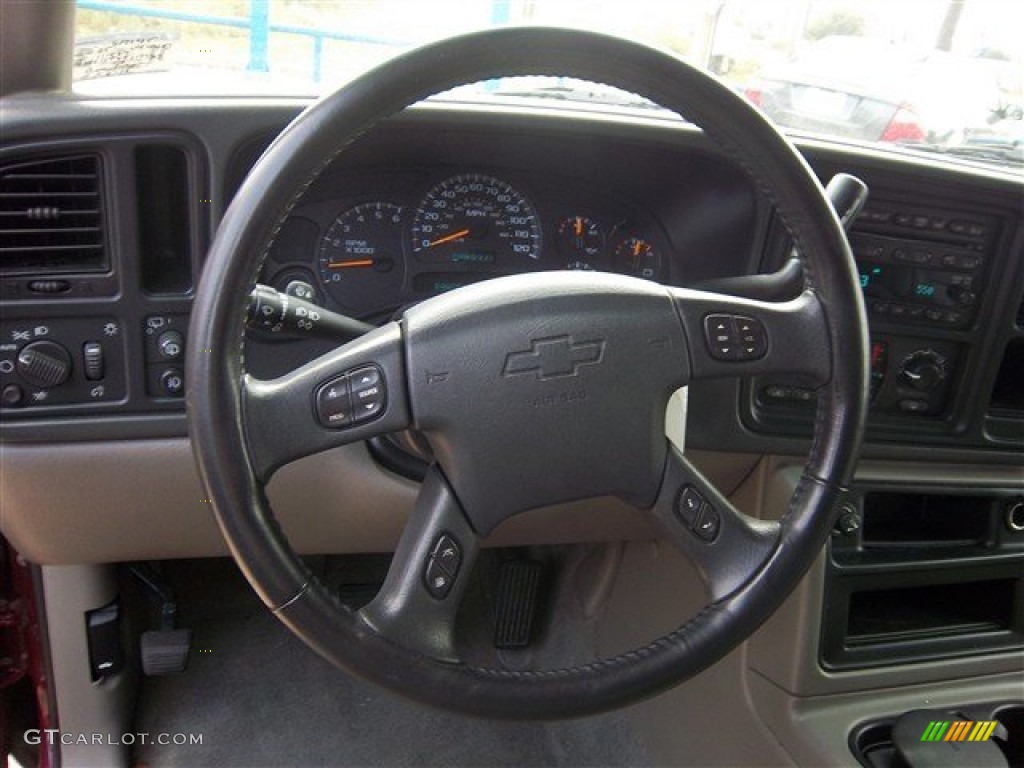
476, 221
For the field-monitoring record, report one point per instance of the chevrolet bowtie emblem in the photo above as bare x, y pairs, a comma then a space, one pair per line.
554, 357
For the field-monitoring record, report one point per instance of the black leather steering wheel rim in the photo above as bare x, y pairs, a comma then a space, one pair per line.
216, 394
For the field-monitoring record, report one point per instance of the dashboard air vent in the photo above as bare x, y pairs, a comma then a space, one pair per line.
51, 216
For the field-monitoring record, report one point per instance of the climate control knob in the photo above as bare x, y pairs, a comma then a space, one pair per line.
44, 364
923, 370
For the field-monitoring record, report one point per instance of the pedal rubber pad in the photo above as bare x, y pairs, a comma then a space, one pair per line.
165, 651
516, 602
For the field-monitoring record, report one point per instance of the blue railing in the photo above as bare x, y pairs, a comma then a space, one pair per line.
260, 28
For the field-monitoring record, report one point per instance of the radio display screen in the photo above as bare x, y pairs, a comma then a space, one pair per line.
906, 283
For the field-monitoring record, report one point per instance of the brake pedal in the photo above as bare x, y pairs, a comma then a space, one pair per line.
163, 651
516, 603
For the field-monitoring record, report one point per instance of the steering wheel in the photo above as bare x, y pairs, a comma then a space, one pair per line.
564, 376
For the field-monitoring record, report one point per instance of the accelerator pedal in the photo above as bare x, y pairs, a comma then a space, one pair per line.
516, 603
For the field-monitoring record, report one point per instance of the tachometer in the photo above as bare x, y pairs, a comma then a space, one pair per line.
360, 257
476, 220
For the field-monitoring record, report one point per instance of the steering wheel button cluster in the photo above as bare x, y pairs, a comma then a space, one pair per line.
442, 566
354, 397
735, 337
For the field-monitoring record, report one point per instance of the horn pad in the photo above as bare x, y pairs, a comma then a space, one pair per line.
560, 377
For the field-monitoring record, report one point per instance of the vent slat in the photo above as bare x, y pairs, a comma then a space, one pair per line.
52, 231
37, 195
63, 213
51, 249
52, 206
50, 176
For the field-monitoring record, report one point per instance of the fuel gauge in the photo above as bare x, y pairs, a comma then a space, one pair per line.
636, 256
581, 241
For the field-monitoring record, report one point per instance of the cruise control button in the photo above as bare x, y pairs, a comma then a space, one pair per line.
447, 554
688, 505
437, 580
333, 405
708, 524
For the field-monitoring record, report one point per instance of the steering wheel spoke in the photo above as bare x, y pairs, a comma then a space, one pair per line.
417, 605
732, 336
353, 393
727, 546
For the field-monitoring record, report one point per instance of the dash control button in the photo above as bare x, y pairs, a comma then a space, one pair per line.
333, 407
369, 393
173, 382
92, 354
13, 396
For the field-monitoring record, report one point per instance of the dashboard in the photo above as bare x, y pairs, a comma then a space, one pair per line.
94, 329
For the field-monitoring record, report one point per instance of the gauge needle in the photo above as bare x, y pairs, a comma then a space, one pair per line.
579, 226
448, 238
350, 264
637, 247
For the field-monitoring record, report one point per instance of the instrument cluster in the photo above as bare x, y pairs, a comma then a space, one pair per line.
370, 255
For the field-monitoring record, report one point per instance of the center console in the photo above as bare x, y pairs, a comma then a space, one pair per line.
917, 574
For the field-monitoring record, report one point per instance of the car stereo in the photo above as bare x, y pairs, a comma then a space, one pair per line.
917, 281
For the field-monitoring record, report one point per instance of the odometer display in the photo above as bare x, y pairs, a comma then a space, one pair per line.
473, 220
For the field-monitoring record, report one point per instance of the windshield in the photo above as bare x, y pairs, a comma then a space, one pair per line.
942, 76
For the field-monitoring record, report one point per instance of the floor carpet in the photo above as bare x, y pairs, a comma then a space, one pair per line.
258, 697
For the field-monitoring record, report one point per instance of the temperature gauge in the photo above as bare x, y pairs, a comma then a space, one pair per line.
581, 241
